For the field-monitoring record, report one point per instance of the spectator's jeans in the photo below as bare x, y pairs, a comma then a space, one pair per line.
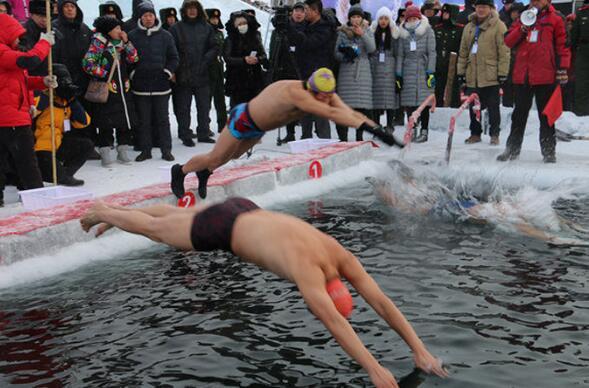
183, 102
154, 119
489, 98
19, 143
322, 127
524, 95
71, 156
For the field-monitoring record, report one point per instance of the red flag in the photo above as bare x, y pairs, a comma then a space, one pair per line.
553, 108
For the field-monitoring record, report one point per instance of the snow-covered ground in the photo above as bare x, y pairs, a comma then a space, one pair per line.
470, 160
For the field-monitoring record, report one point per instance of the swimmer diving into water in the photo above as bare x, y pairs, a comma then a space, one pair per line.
284, 245
411, 196
280, 103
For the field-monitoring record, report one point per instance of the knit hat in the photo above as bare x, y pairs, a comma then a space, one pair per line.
37, 7
490, 3
299, 4
144, 8
384, 11
322, 81
412, 12
356, 10
105, 24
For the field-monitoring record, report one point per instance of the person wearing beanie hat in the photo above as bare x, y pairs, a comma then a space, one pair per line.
151, 83
168, 17
483, 66
504, 14
107, 60
579, 38
74, 41
217, 70
35, 26
382, 62
355, 42
448, 35
416, 65
131, 23
110, 8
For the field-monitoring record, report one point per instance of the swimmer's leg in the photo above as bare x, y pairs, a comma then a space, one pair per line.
245, 146
173, 230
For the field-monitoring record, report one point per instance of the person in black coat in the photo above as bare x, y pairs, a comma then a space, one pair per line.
150, 81
195, 41
244, 55
74, 43
131, 23
36, 25
168, 17
465, 13
110, 8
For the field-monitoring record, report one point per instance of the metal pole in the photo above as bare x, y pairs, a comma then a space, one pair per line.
51, 112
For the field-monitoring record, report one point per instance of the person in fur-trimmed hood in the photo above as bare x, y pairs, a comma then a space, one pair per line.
355, 42
416, 64
382, 62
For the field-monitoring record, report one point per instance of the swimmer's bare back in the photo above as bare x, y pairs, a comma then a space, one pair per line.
274, 106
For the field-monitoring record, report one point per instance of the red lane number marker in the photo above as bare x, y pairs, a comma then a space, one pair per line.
315, 170
188, 200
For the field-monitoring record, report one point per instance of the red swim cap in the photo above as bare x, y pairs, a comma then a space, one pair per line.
341, 297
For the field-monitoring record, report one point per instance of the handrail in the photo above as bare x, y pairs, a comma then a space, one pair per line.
429, 101
472, 98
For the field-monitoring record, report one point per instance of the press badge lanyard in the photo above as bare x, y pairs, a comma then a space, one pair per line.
381, 55
475, 45
533, 34
412, 42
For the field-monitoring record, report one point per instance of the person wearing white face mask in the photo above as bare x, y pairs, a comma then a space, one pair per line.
244, 55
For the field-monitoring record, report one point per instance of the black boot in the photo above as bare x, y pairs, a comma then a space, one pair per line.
508, 154
188, 142
167, 156
550, 158
143, 156
177, 183
203, 179
70, 181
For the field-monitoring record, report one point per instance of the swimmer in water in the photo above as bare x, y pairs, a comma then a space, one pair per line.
443, 202
284, 245
280, 103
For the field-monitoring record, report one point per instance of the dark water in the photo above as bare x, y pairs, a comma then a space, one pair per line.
501, 310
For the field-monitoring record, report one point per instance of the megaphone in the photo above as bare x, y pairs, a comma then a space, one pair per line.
528, 17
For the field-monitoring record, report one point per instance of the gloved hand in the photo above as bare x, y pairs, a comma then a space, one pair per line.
350, 53
562, 76
430, 80
49, 37
381, 134
502, 80
399, 83
461, 81
33, 111
50, 81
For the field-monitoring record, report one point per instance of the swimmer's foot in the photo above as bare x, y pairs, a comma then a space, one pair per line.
91, 218
177, 183
203, 179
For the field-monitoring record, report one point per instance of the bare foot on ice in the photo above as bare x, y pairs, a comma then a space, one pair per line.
91, 217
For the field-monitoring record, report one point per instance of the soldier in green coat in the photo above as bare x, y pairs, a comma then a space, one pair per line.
216, 70
448, 34
580, 46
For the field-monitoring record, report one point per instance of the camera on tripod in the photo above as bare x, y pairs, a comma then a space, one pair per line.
282, 10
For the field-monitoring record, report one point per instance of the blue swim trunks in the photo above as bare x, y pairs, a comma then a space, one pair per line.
241, 125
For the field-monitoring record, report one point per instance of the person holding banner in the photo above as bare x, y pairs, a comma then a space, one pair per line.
541, 60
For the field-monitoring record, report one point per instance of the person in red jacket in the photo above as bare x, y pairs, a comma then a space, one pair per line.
542, 59
16, 137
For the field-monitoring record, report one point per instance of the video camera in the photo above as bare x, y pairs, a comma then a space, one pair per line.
282, 10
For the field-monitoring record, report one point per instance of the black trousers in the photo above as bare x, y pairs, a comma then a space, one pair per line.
423, 118
154, 118
489, 98
508, 94
182, 99
524, 95
390, 113
218, 97
18, 143
71, 156
290, 128
342, 131
106, 137
322, 127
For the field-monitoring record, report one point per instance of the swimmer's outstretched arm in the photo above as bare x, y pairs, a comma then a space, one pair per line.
384, 306
311, 284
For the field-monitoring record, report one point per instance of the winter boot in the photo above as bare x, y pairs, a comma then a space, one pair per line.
177, 183
203, 179
105, 156
422, 138
123, 154
143, 156
551, 158
188, 142
494, 140
473, 139
508, 154
167, 156
70, 181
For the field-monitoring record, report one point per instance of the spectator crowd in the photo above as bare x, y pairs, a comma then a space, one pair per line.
113, 80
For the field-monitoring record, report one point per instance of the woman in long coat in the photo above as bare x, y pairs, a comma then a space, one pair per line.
416, 65
355, 42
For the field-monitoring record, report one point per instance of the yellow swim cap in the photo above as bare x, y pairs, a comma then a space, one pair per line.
322, 81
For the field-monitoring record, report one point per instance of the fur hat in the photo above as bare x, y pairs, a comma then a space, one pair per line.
213, 13
105, 24
355, 10
384, 11
412, 12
